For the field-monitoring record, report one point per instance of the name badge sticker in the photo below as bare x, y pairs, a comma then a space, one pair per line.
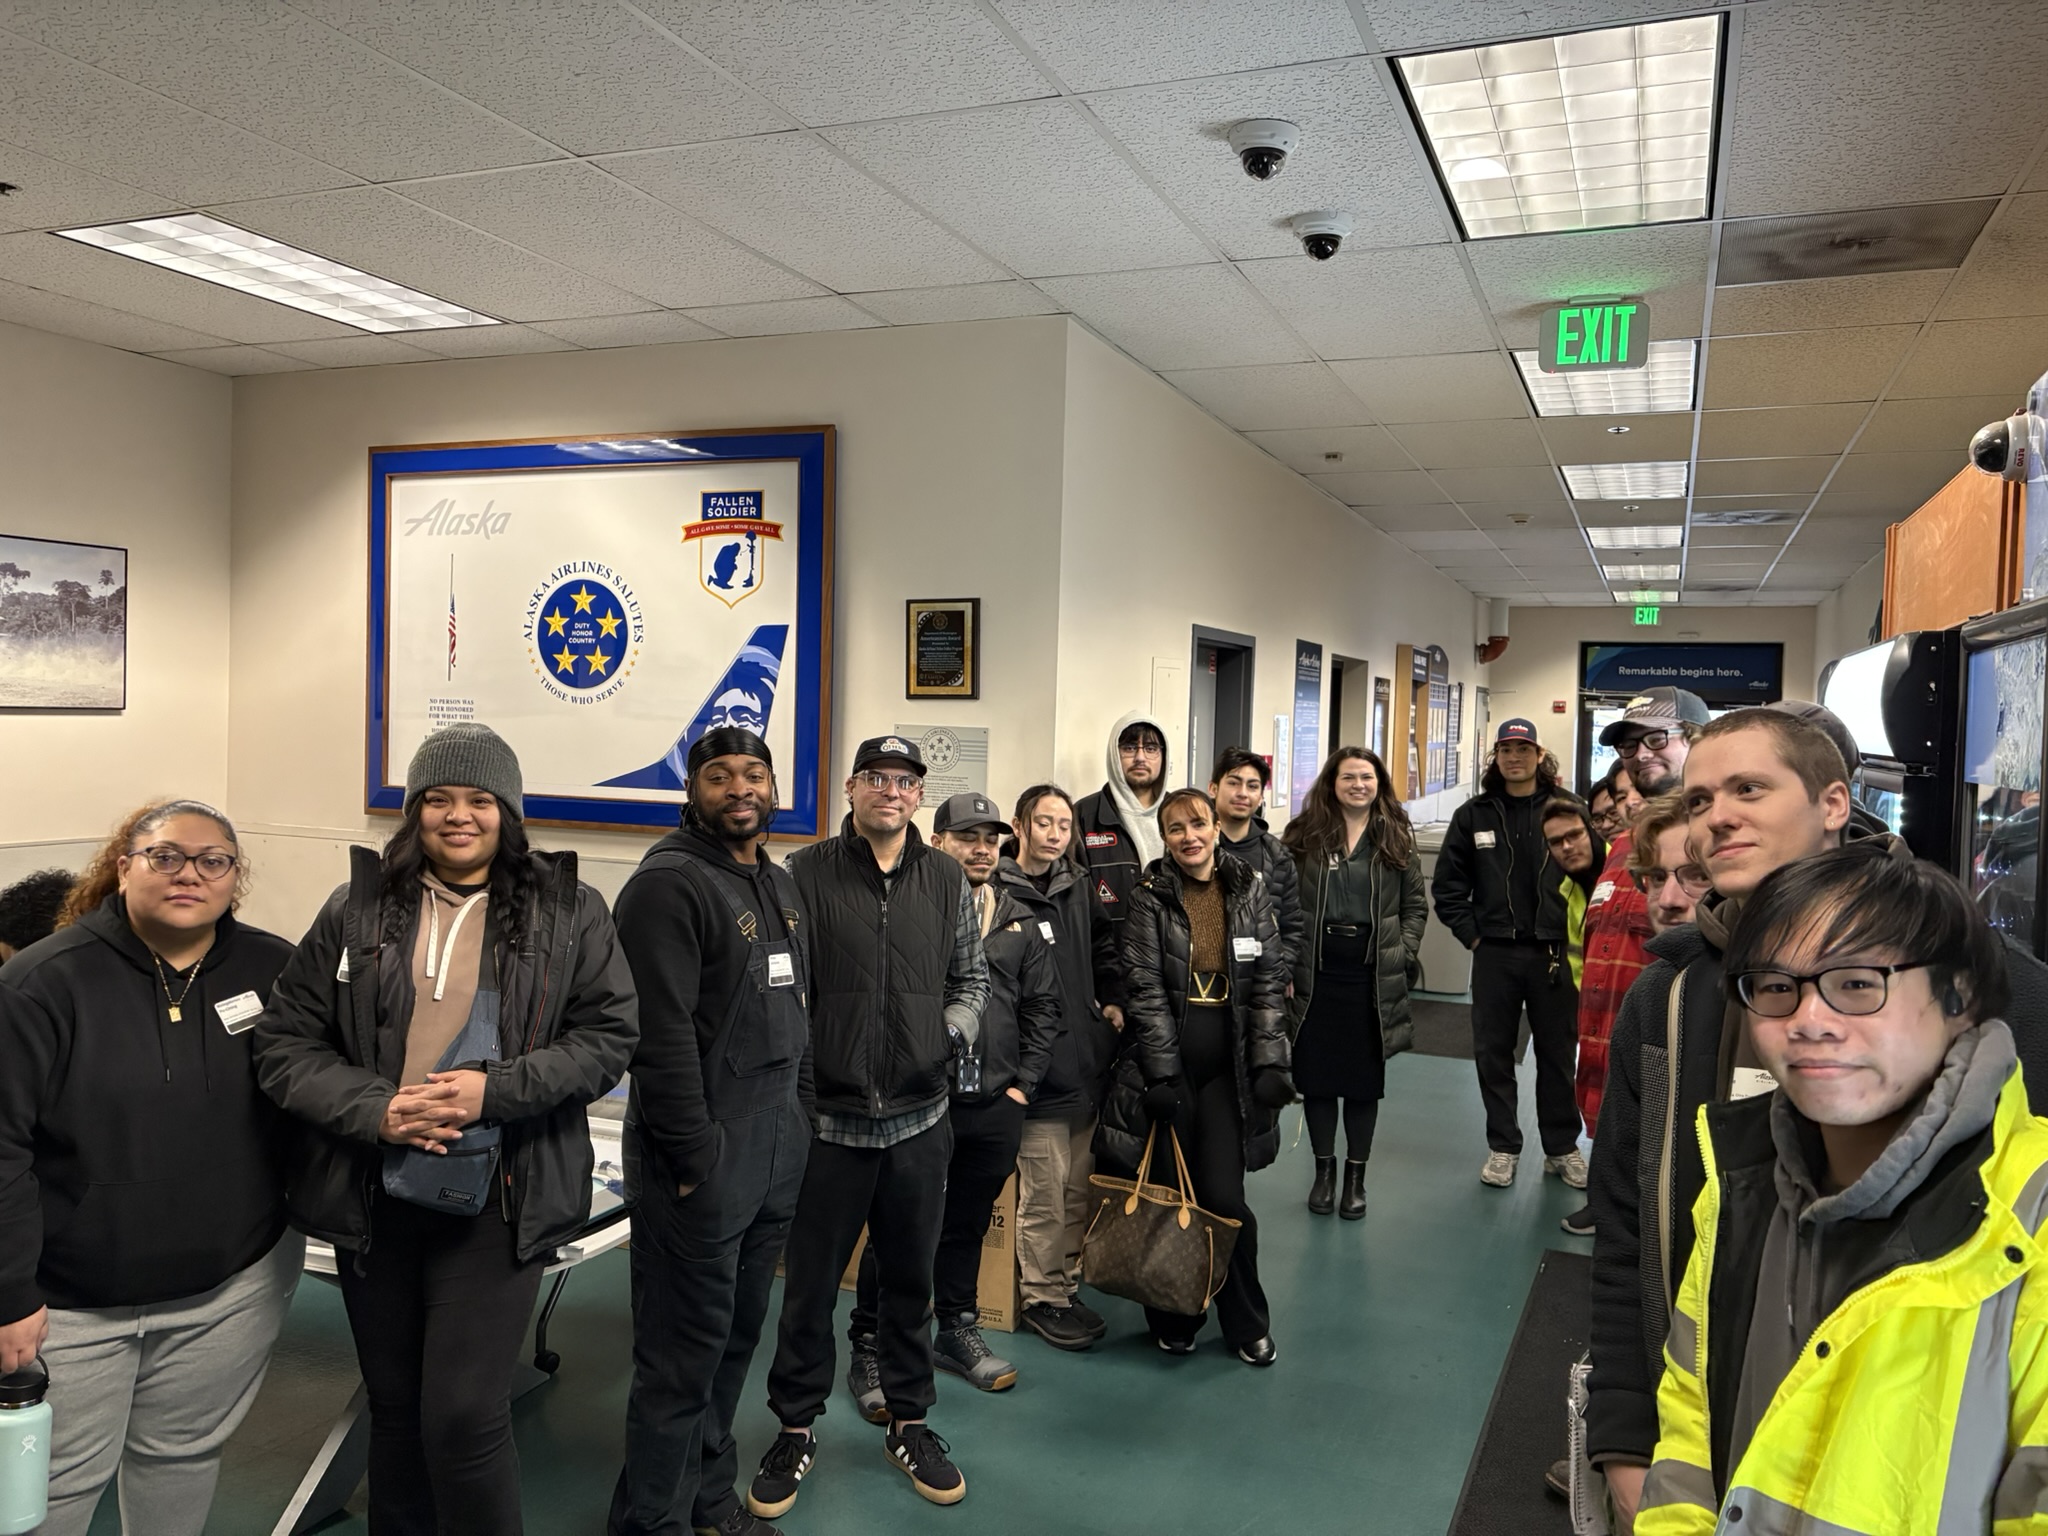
1751, 1083
239, 1012
341, 970
1045, 931
1482, 839
781, 971
1247, 949
1601, 892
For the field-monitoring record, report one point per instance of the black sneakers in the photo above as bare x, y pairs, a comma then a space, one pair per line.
1088, 1317
864, 1380
920, 1453
774, 1487
1061, 1327
1579, 1223
738, 1523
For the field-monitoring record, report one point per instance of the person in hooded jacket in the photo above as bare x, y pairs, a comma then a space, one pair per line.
30, 907
1206, 1053
435, 1038
143, 1250
1238, 786
1055, 1156
1117, 827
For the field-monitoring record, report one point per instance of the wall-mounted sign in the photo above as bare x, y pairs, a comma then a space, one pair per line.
1586, 336
1646, 614
1742, 673
1308, 719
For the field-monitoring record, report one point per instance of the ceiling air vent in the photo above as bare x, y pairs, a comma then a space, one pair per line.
1716, 519
1791, 249
1719, 586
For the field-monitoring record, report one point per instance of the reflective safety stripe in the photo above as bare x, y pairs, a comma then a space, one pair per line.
1684, 1341
1749, 1513
1678, 1482
2023, 1491
1977, 1449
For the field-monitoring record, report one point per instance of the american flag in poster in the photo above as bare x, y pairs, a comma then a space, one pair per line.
451, 615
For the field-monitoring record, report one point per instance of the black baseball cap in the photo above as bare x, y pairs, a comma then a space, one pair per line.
1517, 729
882, 749
967, 809
1657, 709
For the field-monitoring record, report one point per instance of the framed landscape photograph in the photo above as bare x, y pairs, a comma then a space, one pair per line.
63, 624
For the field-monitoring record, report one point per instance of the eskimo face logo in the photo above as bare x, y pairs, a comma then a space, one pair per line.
584, 630
731, 536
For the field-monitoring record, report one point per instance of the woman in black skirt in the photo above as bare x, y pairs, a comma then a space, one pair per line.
1363, 909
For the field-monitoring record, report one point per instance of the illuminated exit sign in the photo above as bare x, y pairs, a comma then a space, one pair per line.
1646, 615
1585, 336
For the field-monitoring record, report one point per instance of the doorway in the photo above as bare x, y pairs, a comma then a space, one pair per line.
1351, 702
1219, 699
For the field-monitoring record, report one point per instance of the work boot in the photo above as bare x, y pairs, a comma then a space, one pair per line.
1056, 1325
1322, 1195
962, 1351
864, 1380
1353, 1208
1087, 1317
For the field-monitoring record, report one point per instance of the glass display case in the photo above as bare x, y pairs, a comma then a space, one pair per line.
2006, 684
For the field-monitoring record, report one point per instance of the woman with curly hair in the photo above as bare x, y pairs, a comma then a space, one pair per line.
143, 1250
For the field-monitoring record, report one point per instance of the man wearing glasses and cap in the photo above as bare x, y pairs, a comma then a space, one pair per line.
899, 983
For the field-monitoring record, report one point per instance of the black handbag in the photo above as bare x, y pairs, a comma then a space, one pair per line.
456, 1182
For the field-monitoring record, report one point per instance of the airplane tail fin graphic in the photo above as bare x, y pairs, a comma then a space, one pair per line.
743, 696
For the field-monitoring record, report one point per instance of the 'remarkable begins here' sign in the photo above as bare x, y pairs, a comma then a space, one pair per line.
1587, 335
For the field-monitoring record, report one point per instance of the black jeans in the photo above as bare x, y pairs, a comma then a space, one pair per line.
986, 1136
439, 1307
1211, 1133
702, 1268
1506, 977
900, 1192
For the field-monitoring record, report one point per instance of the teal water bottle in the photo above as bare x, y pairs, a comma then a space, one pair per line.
24, 1449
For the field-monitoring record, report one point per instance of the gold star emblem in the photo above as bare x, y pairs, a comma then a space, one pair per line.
598, 662
565, 662
584, 597
608, 624
556, 623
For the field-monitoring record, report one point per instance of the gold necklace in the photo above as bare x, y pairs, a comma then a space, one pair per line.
175, 1005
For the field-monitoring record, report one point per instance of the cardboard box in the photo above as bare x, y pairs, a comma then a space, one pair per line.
996, 1287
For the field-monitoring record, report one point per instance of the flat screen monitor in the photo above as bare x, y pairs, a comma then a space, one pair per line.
2004, 694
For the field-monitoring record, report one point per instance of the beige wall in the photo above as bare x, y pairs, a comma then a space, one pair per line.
1842, 622
1173, 520
948, 486
1541, 665
104, 447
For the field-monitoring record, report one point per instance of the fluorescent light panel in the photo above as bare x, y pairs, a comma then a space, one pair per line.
1647, 595
205, 247
1664, 383
1640, 572
1664, 480
1587, 131
1636, 538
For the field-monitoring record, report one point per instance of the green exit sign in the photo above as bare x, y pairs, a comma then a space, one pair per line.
1585, 336
1645, 615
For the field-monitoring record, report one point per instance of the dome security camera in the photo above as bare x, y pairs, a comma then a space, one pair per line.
1263, 145
1321, 232
2012, 448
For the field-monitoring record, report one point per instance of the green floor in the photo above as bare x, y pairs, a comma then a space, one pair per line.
1391, 1333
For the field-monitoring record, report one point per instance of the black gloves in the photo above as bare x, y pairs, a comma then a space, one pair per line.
1163, 1100
1271, 1088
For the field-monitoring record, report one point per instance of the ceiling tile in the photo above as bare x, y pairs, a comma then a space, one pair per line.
1587, 440
121, 282
1405, 303
1770, 539
1098, 47
1539, 514
1415, 516
1760, 477
1363, 448
652, 328
787, 317
236, 361
1836, 532
1665, 265
1791, 429
1356, 154
1913, 426
1889, 505
1632, 513
1401, 25
834, 61
2002, 278
1804, 367
1035, 186
975, 301
1453, 445
1469, 485
353, 352
1393, 488
1780, 597
1182, 317
1918, 475
1278, 395
385, 234
1867, 103
1469, 386
1439, 540
1975, 357
575, 214
790, 197
49, 194
276, 72
486, 341
68, 111
590, 78
93, 322
1553, 544
1818, 304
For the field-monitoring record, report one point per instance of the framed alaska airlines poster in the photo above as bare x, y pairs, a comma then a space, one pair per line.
601, 603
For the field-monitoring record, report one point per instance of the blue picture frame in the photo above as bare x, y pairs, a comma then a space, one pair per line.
812, 449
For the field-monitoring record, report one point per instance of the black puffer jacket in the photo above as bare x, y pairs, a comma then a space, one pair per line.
1157, 947
1091, 978
329, 1050
1269, 856
1022, 1019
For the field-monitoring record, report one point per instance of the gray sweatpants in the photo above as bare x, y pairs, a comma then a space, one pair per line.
154, 1392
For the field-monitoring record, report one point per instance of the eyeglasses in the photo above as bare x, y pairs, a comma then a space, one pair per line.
1565, 840
1649, 740
902, 783
1855, 990
166, 860
1146, 748
1690, 877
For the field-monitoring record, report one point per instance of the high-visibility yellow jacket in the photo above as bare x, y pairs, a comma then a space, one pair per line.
1919, 1407
1575, 901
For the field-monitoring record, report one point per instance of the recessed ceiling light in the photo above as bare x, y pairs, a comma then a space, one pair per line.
1640, 572
1664, 383
1647, 595
1637, 538
1591, 130
1719, 519
205, 247
1616, 482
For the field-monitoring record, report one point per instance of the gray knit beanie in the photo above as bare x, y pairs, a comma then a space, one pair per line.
471, 755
